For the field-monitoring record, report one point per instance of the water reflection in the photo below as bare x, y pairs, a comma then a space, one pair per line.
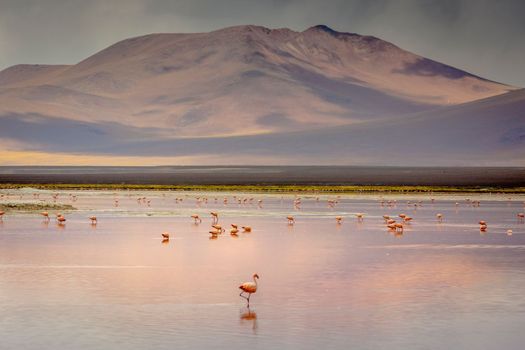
326, 285
249, 316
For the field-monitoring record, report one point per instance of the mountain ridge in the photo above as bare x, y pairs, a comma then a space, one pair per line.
240, 81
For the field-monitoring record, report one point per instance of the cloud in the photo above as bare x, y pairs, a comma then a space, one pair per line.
480, 36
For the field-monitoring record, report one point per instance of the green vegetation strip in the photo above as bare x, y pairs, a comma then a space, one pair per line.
34, 206
273, 188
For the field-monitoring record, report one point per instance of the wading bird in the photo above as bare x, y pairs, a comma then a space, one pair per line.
93, 220
249, 287
215, 217
196, 218
291, 220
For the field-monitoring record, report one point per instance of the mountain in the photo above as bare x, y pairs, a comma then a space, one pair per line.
317, 96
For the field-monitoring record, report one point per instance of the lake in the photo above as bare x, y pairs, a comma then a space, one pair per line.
116, 285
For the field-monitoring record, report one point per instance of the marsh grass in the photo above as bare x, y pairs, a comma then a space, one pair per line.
274, 188
34, 206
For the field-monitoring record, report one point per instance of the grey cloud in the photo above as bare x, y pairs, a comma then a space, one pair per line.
483, 37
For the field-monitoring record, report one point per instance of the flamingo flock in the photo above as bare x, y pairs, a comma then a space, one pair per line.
395, 223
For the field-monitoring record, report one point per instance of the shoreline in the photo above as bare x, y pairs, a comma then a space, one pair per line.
270, 188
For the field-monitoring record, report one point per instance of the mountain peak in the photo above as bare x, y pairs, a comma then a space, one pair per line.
322, 28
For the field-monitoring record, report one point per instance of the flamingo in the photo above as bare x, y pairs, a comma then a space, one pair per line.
218, 228
215, 217
509, 232
247, 228
291, 220
45, 214
339, 219
93, 220
214, 233
234, 231
165, 236
249, 287
439, 217
196, 218
61, 220
521, 217
482, 226
359, 216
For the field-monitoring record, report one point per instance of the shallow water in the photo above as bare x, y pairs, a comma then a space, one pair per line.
355, 285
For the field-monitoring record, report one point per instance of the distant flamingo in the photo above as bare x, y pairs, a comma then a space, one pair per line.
214, 233
165, 236
482, 226
521, 217
218, 228
234, 231
196, 218
359, 217
247, 228
439, 217
45, 214
215, 217
339, 219
249, 287
61, 220
291, 220
93, 220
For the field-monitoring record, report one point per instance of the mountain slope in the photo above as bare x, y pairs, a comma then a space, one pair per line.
251, 94
242, 80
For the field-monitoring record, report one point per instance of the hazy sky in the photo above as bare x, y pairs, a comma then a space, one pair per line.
484, 37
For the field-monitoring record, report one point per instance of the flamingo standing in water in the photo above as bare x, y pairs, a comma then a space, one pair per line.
93, 220
439, 217
482, 226
246, 229
521, 217
45, 214
165, 236
339, 219
196, 218
215, 217
291, 220
249, 287
218, 228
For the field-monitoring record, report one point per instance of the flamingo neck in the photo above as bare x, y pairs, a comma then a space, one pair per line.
255, 280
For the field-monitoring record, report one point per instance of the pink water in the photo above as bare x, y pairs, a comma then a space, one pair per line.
355, 285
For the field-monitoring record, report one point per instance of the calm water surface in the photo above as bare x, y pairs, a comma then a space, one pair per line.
355, 285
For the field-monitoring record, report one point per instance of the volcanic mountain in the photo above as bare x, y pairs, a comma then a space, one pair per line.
260, 92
